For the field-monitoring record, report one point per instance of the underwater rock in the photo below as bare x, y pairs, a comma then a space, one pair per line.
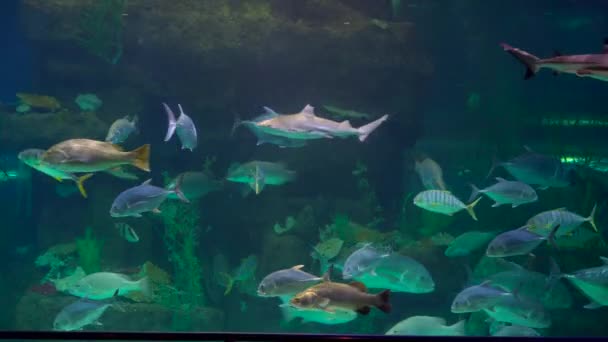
37, 312
45, 129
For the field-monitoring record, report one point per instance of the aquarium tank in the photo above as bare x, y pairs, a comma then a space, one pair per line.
331, 167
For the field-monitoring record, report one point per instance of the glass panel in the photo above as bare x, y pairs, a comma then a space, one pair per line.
404, 167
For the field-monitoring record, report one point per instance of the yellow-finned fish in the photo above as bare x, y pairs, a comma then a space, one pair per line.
85, 155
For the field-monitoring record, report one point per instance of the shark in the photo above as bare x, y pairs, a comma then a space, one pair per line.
305, 125
590, 65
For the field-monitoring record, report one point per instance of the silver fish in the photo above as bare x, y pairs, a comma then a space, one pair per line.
543, 222
121, 129
507, 192
443, 202
468, 242
518, 242
142, 198
520, 311
592, 282
257, 174
580, 65
79, 314
427, 326
361, 260
305, 125
286, 282
478, 297
194, 185
430, 174
184, 126
537, 169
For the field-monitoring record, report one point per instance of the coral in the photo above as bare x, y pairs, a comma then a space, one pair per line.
101, 30
88, 102
89, 252
290, 222
181, 239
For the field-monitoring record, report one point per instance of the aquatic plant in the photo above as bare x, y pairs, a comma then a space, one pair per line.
101, 30
89, 252
368, 194
181, 239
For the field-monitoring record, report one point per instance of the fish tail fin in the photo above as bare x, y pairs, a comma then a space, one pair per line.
458, 328
471, 206
591, 218
144, 286
237, 122
172, 122
229, 285
141, 157
384, 301
495, 164
178, 189
551, 237
527, 59
366, 130
474, 192
554, 275
79, 183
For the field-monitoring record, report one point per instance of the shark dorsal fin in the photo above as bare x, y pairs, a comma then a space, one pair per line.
147, 182
345, 124
268, 114
605, 48
297, 267
309, 110
500, 179
604, 260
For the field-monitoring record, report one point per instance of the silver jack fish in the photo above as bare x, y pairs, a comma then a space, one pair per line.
184, 126
589, 65
143, 198
305, 125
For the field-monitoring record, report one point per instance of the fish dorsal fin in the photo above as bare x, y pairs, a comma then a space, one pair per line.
269, 111
604, 260
297, 267
359, 286
486, 283
308, 110
147, 182
605, 48
500, 179
345, 125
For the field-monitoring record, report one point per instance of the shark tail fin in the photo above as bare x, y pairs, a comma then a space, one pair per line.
527, 59
365, 131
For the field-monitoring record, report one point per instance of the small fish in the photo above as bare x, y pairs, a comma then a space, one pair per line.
85, 155
142, 198
580, 65
537, 169
520, 311
286, 282
80, 314
430, 174
121, 129
103, 285
427, 326
468, 242
195, 185
244, 271
126, 231
362, 260
507, 192
398, 273
184, 126
443, 202
542, 223
31, 157
592, 282
257, 174
329, 295
518, 242
478, 297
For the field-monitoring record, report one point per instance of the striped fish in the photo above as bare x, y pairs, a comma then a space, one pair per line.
543, 222
443, 202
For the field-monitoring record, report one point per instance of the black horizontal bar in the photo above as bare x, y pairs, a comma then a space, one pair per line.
194, 336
